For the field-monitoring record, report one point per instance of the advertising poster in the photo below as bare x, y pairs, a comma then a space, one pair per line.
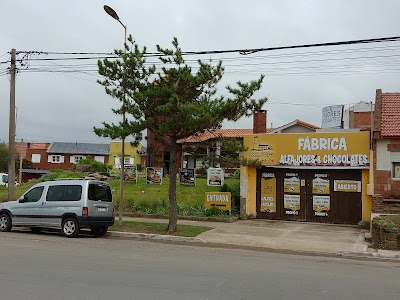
187, 177
320, 184
291, 203
268, 193
130, 174
291, 183
321, 206
349, 186
215, 177
154, 175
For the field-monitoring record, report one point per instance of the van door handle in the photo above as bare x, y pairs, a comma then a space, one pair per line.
43, 203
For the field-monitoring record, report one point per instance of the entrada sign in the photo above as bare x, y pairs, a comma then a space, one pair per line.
220, 200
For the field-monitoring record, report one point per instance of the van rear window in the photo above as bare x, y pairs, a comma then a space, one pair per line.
99, 192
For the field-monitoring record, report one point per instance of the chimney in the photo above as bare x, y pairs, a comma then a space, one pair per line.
260, 122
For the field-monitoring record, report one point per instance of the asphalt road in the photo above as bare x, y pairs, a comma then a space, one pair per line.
49, 266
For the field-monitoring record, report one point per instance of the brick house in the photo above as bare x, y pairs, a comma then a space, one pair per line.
64, 156
359, 115
386, 153
32, 150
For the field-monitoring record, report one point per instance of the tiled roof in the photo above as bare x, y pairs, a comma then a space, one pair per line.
237, 133
218, 133
305, 124
37, 146
79, 148
296, 122
390, 119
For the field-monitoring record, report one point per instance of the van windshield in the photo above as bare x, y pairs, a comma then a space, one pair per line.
99, 192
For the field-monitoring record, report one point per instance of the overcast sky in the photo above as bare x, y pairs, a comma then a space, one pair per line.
65, 106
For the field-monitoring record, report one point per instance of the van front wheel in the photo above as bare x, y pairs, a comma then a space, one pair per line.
5, 222
99, 230
70, 228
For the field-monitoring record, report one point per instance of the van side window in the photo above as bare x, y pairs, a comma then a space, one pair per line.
73, 193
34, 194
55, 193
64, 193
98, 192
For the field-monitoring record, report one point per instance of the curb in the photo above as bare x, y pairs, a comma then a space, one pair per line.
200, 242
150, 236
370, 255
188, 218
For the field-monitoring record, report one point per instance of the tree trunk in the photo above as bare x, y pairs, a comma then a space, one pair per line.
173, 215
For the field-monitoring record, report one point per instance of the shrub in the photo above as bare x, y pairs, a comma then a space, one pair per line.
89, 165
214, 211
235, 194
364, 224
60, 174
387, 223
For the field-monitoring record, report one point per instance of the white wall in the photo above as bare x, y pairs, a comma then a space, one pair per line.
383, 156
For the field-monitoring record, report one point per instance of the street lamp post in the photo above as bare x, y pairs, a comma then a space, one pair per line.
113, 14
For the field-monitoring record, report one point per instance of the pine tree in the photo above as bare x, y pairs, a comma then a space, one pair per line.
173, 102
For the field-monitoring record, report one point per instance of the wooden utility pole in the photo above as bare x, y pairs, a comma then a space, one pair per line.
11, 131
20, 161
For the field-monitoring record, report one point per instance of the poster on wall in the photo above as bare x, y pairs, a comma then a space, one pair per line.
187, 177
320, 184
215, 177
130, 174
349, 186
291, 203
321, 206
291, 183
268, 193
154, 175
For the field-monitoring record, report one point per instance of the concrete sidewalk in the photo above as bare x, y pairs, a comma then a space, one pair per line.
301, 237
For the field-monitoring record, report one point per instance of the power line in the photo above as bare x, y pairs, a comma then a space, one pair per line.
240, 51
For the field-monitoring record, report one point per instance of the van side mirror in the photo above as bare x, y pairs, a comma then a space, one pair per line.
23, 199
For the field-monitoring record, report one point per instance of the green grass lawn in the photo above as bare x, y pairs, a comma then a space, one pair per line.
157, 228
140, 197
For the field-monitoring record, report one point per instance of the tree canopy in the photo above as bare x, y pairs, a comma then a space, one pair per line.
173, 101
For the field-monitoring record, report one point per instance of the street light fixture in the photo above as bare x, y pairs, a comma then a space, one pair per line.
114, 15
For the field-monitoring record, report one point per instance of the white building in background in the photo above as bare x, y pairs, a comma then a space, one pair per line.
358, 115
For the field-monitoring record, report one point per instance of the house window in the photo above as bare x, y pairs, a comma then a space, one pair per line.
77, 158
55, 158
99, 159
396, 170
129, 161
36, 158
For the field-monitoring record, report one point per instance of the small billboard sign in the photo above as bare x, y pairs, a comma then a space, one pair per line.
187, 177
154, 175
215, 177
332, 116
130, 174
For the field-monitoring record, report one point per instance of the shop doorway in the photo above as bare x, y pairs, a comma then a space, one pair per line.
314, 195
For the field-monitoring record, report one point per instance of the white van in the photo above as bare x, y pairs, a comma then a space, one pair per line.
3, 178
68, 205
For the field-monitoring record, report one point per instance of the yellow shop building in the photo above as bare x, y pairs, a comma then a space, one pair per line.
317, 177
